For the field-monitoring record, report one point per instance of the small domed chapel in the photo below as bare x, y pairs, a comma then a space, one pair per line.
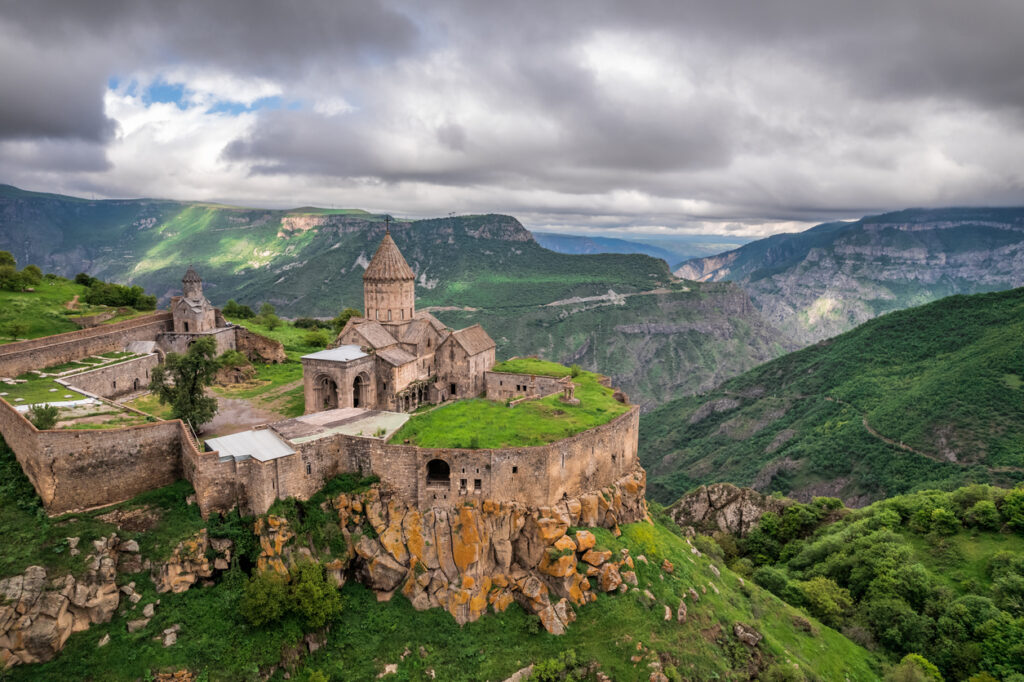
395, 358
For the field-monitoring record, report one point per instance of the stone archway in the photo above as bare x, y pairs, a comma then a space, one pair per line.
359, 390
326, 393
438, 473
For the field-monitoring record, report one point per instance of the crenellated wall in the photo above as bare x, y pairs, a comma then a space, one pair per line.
19, 357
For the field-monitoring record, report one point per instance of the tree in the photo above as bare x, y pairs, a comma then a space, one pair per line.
317, 338
983, 515
826, 600
343, 317
265, 599
16, 328
182, 380
7, 258
944, 522
32, 274
1013, 509
268, 317
914, 668
43, 416
313, 597
234, 309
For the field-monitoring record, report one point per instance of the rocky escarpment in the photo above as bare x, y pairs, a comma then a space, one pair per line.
724, 507
835, 276
39, 612
477, 556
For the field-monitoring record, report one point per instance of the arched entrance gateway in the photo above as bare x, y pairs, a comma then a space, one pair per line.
359, 391
326, 393
438, 473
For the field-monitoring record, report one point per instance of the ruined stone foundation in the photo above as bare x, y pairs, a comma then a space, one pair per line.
478, 555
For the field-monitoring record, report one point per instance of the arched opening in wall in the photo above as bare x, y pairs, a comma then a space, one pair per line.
359, 391
135, 384
326, 393
186, 326
438, 473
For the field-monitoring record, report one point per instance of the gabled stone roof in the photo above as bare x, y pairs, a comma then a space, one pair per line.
474, 339
396, 356
437, 324
388, 264
375, 334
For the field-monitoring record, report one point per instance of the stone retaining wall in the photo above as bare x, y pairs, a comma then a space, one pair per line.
17, 358
509, 385
115, 380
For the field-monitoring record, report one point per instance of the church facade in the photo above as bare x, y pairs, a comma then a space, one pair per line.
395, 358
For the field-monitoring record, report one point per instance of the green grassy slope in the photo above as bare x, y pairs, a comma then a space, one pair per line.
216, 642
932, 573
939, 387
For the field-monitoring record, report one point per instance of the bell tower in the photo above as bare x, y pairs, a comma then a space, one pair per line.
192, 284
389, 284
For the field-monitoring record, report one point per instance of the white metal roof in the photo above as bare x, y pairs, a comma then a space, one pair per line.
263, 445
339, 354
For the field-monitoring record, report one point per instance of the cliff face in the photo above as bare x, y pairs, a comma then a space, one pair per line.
724, 507
825, 281
662, 344
477, 556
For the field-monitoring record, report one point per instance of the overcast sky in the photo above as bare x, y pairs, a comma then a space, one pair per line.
756, 116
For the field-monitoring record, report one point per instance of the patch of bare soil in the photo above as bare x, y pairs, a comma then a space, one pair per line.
135, 520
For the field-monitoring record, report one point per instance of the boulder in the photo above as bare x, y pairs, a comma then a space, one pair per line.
747, 634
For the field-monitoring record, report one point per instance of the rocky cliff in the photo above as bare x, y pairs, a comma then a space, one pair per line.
724, 507
824, 281
477, 556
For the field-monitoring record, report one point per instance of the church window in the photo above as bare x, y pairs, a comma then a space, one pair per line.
389, 316
309, 468
515, 470
462, 483
186, 326
477, 483
114, 384
403, 313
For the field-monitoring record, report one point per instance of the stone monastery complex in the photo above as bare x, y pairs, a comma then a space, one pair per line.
357, 394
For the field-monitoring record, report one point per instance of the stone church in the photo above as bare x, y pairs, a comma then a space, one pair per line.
395, 358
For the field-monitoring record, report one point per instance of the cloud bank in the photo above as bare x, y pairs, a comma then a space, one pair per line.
579, 114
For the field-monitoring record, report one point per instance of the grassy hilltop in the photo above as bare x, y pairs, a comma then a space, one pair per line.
929, 396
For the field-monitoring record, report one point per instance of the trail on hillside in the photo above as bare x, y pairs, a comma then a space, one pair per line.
72, 304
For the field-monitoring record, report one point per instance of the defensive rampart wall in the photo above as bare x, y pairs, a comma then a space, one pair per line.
115, 380
539, 476
21, 356
80, 469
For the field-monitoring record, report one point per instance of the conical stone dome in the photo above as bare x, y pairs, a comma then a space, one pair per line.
387, 264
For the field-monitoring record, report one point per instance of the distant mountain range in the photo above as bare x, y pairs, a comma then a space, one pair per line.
621, 314
819, 283
925, 397
672, 249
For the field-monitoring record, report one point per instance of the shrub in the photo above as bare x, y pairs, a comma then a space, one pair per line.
914, 668
7, 258
983, 515
313, 597
233, 309
317, 338
780, 672
826, 600
343, 317
708, 546
574, 370
1012, 509
265, 599
306, 323
944, 522
43, 417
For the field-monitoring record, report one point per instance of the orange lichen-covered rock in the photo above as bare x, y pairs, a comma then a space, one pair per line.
609, 579
560, 559
585, 540
596, 557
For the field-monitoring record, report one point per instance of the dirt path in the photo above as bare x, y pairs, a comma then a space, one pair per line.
234, 415
72, 304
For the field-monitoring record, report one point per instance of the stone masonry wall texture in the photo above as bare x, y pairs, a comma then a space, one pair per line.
120, 379
19, 357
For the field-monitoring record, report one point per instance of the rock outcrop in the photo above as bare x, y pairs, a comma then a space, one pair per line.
259, 348
724, 507
190, 561
477, 556
38, 613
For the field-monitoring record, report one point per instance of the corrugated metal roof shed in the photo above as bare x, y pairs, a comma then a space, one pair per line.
262, 444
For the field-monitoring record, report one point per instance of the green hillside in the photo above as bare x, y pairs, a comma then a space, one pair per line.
620, 635
929, 396
830, 278
931, 573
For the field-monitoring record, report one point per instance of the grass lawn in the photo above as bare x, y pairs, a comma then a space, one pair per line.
480, 423
532, 366
150, 405
37, 389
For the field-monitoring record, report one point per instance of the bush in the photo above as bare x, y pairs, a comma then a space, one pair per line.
233, 309
826, 600
944, 522
343, 317
780, 672
914, 668
317, 338
983, 515
1012, 509
117, 295
574, 370
43, 417
306, 323
85, 280
313, 597
265, 599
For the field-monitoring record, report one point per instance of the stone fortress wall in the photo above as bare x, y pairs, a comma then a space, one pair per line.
511, 385
19, 357
116, 380
539, 476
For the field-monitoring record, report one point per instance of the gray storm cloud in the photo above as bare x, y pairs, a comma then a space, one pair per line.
594, 113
